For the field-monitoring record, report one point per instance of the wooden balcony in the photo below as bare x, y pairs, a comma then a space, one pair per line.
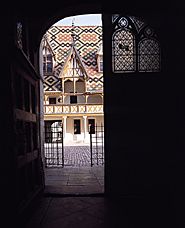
73, 109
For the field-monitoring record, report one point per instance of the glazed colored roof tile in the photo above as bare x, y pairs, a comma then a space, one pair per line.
87, 43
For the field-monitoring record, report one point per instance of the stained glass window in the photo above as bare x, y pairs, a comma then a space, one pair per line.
135, 47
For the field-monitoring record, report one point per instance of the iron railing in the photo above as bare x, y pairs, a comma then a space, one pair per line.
53, 146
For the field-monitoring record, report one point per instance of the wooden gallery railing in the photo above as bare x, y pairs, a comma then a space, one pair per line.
79, 108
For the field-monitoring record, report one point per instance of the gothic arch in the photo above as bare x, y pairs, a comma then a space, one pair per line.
135, 45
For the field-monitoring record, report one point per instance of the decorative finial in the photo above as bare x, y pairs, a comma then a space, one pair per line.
72, 31
73, 21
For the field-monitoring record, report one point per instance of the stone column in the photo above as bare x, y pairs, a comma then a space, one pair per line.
86, 97
64, 126
85, 127
74, 85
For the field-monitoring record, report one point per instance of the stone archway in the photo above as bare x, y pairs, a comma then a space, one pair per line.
69, 106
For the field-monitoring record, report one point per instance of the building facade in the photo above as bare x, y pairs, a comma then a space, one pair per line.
73, 80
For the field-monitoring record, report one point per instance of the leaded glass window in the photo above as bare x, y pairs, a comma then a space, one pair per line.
135, 47
149, 55
123, 51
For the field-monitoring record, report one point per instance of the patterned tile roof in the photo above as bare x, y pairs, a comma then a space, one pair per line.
87, 43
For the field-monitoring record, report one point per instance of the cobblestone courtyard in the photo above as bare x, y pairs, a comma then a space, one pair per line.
74, 156
77, 156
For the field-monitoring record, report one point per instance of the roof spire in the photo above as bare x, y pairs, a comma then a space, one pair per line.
72, 32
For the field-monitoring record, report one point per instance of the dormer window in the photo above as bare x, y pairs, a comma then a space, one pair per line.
48, 57
47, 63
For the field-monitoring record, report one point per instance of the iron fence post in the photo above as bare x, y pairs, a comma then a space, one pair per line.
62, 146
102, 141
96, 132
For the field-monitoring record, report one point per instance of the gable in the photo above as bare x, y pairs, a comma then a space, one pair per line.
87, 42
73, 66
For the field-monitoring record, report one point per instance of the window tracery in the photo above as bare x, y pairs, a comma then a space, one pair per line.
135, 47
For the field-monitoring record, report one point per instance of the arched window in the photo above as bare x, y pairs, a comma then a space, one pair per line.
149, 55
123, 51
135, 47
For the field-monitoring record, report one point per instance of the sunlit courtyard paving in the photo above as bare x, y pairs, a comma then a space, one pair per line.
77, 176
73, 156
70, 180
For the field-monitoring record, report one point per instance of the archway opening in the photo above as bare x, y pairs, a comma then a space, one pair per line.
72, 65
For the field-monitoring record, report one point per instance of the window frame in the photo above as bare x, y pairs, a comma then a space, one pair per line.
50, 98
72, 97
91, 129
77, 128
47, 63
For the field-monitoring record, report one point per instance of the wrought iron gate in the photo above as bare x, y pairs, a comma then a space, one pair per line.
53, 146
97, 145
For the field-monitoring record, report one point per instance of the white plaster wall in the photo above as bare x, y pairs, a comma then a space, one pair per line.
98, 120
70, 138
68, 135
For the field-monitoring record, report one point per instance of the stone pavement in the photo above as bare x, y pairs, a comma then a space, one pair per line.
77, 156
74, 180
74, 155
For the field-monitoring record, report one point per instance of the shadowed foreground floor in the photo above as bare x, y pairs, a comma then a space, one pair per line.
101, 212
